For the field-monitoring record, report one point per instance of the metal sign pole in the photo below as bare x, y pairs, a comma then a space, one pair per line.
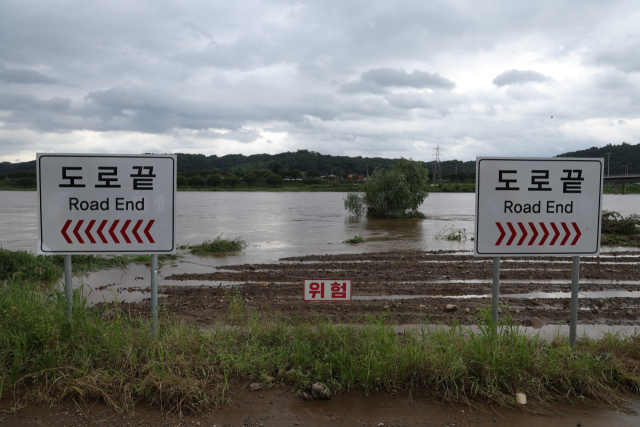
575, 280
154, 293
496, 290
68, 286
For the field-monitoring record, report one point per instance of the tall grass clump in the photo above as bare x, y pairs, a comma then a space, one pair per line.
105, 353
217, 246
25, 265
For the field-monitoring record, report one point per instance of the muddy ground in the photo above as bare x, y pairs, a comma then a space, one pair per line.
412, 287
278, 407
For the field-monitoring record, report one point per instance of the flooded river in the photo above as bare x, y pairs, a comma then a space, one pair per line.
282, 224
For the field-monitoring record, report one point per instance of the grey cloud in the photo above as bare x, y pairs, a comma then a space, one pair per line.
23, 76
241, 135
612, 81
22, 102
378, 79
409, 100
627, 60
516, 77
400, 78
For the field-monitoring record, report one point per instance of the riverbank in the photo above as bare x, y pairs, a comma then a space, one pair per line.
111, 354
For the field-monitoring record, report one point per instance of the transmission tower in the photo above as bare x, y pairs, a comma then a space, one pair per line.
436, 165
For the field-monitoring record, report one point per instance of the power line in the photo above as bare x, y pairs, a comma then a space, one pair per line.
437, 169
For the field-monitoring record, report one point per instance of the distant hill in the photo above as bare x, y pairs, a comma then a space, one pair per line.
304, 160
621, 155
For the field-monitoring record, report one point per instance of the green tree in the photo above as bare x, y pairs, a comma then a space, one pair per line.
191, 173
312, 174
393, 193
295, 173
197, 181
205, 173
26, 182
276, 167
239, 173
3, 177
214, 180
231, 180
274, 179
283, 173
181, 180
311, 181
251, 178
12, 175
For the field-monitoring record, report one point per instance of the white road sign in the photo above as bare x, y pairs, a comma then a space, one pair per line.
106, 204
538, 206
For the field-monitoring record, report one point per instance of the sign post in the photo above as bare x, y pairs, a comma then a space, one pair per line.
538, 207
106, 204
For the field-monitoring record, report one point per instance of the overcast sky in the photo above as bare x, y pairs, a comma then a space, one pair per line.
370, 78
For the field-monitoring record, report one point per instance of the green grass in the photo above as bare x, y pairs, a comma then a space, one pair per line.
216, 246
26, 265
618, 230
356, 239
186, 368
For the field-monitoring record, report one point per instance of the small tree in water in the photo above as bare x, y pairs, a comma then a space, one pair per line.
396, 193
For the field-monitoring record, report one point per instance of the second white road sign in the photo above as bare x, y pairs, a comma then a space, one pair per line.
101, 204
533, 206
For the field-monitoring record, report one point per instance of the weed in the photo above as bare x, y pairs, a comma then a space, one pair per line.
355, 240
451, 234
219, 245
25, 265
189, 369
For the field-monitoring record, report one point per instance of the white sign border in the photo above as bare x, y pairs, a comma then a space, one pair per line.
304, 287
40, 251
476, 253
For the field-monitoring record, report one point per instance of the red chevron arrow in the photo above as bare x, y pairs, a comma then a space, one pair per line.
87, 231
535, 233
524, 233
148, 227
566, 237
111, 233
546, 234
99, 231
513, 233
578, 235
123, 231
135, 231
555, 230
64, 231
75, 231
502, 233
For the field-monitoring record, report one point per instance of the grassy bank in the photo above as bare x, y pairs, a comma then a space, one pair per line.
631, 189
185, 368
25, 265
618, 230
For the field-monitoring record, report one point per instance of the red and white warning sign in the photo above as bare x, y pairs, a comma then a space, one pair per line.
327, 290
531, 206
102, 204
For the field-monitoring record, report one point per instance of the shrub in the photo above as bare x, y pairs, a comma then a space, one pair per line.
231, 180
214, 180
395, 193
274, 180
197, 181
26, 182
